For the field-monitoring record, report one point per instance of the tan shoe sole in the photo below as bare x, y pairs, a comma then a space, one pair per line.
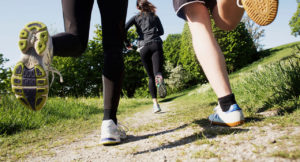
262, 12
229, 124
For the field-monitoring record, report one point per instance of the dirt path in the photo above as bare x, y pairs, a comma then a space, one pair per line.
180, 143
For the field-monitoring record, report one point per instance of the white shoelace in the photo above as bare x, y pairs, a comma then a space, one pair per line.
53, 70
122, 129
238, 4
215, 114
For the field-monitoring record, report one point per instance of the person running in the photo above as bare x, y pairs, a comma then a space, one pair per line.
226, 14
30, 76
149, 29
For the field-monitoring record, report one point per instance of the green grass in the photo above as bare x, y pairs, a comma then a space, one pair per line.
273, 55
271, 83
61, 121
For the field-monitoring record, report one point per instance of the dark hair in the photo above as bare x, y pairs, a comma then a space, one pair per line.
145, 6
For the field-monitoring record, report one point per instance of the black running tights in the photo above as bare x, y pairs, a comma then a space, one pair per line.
73, 42
152, 59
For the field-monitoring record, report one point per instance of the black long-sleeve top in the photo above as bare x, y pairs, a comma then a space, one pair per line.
148, 26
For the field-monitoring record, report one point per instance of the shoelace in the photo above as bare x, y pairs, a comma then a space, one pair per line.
238, 4
215, 114
123, 129
53, 70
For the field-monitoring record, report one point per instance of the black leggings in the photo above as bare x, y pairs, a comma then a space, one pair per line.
73, 42
152, 59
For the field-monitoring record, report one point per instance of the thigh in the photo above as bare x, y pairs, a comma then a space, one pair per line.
113, 17
157, 57
146, 55
77, 16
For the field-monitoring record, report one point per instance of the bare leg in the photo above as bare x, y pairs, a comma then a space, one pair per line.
206, 48
227, 14
154, 101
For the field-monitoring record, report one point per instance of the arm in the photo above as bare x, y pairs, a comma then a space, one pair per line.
130, 23
127, 26
159, 27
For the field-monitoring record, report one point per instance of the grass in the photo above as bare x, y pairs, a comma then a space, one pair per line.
204, 154
61, 121
295, 154
271, 83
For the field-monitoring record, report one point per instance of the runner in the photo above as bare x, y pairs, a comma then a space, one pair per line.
149, 29
30, 76
226, 14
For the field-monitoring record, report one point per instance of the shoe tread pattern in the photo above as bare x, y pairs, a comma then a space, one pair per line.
30, 86
262, 12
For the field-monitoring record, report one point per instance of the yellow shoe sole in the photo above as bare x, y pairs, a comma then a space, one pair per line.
262, 12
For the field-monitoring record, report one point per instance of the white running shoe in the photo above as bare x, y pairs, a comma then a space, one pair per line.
156, 108
233, 117
30, 76
111, 133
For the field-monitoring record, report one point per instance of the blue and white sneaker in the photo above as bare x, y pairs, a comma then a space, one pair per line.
233, 117
30, 76
111, 133
156, 108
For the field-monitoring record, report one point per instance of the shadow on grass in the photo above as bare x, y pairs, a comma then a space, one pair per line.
208, 133
288, 110
171, 98
132, 138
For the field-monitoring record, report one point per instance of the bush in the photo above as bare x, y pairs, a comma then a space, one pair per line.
177, 77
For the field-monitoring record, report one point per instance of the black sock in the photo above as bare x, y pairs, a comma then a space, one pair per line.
226, 101
110, 114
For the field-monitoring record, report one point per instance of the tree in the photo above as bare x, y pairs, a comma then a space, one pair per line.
82, 75
256, 32
237, 46
188, 59
295, 21
5, 75
171, 48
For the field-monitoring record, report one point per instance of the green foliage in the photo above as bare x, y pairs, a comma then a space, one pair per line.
82, 75
262, 89
5, 75
135, 75
295, 21
188, 60
171, 48
176, 78
236, 45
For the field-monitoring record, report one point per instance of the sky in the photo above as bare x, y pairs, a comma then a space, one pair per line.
14, 14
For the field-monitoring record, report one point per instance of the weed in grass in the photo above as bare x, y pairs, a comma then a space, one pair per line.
204, 154
203, 140
295, 154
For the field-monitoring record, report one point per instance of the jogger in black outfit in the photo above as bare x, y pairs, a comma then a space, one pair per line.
30, 76
149, 29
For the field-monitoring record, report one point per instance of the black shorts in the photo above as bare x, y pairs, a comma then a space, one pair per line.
179, 4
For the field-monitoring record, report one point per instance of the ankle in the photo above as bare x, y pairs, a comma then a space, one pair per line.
226, 101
